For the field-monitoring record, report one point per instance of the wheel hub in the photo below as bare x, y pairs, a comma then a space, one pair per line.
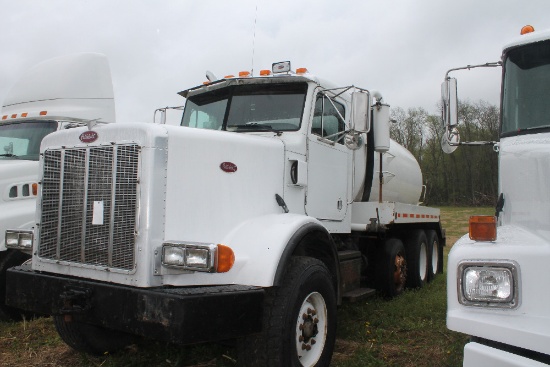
400, 272
311, 329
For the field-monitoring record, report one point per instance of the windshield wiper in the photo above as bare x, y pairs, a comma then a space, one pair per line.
535, 128
9, 155
255, 127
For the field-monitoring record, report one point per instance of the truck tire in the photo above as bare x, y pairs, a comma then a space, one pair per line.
436, 251
391, 273
418, 259
91, 339
8, 259
299, 324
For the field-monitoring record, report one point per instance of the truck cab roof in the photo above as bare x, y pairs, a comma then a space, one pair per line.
72, 87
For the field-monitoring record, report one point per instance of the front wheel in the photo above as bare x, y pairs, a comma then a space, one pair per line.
91, 339
299, 326
8, 259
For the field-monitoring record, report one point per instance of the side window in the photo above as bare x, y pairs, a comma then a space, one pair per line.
326, 120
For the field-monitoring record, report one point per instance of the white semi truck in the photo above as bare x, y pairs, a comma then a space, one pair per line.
497, 279
57, 94
278, 196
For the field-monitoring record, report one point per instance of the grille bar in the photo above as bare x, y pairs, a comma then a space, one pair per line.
89, 205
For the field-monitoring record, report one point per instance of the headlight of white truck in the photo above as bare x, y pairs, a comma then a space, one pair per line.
488, 284
198, 257
19, 239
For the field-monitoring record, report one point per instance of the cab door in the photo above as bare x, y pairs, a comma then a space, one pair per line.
327, 161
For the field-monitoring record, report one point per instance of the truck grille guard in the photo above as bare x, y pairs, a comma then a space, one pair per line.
89, 205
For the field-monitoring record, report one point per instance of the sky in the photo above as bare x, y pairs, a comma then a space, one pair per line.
401, 48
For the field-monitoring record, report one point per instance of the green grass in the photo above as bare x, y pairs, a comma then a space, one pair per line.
407, 331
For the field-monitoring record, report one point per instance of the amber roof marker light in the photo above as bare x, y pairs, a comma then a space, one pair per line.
527, 29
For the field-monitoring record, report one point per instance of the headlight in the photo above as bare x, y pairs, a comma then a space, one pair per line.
198, 257
19, 239
173, 255
488, 284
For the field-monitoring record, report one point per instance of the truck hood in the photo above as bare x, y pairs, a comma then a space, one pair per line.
75, 87
212, 187
524, 177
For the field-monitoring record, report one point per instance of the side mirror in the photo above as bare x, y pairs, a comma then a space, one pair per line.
450, 103
162, 112
360, 111
449, 116
353, 140
450, 140
9, 148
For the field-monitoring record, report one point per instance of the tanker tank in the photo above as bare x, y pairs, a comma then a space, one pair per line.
402, 175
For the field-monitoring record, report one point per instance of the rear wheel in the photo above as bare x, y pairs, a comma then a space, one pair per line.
391, 273
8, 259
418, 259
436, 250
91, 339
299, 326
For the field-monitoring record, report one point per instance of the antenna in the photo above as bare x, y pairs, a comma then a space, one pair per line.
254, 38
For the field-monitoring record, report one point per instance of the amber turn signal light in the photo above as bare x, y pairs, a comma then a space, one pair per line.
226, 259
527, 29
483, 228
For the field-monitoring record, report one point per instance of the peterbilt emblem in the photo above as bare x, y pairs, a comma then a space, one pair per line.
228, 167
88, 137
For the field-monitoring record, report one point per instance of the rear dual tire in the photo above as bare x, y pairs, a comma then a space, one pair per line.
436, 251
391, 271
418, 259
424, 257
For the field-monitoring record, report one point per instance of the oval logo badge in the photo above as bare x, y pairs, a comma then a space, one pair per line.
228, 167
88, 137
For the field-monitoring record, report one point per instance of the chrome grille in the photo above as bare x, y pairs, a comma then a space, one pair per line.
73, 179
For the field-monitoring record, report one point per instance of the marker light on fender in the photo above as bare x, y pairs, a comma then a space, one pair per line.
483, 228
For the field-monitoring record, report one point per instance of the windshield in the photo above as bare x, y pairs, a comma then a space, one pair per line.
526, 91
21, 140
253, 107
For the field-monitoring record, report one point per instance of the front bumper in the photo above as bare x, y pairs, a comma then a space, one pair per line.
178, 315
480, 355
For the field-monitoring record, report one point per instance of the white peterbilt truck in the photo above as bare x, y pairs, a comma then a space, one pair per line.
57, 94
497, 278
278, 196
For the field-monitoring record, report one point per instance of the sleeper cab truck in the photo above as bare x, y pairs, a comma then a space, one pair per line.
57, 94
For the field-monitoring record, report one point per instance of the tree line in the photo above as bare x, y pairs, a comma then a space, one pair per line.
469, 175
